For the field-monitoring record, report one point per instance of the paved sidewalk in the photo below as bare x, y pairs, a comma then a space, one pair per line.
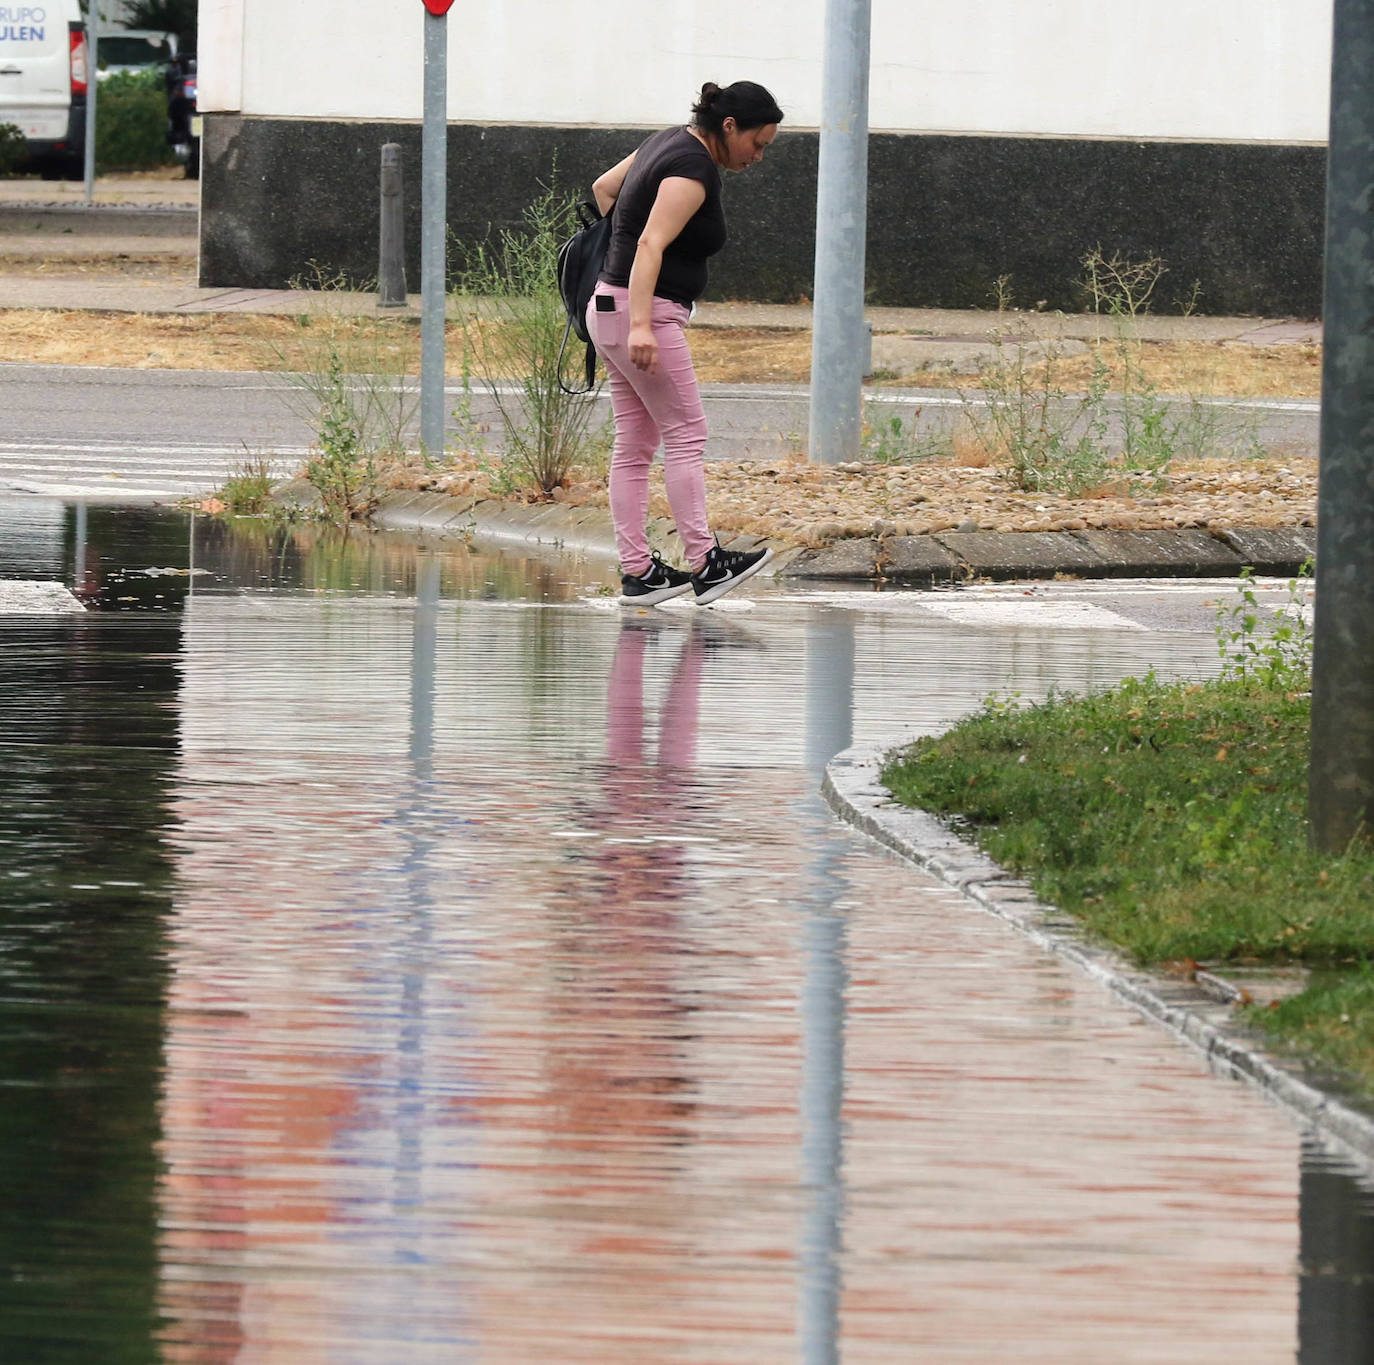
152, 190
933, 326
154, 215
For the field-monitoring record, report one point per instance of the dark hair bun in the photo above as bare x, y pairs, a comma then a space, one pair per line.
750, 105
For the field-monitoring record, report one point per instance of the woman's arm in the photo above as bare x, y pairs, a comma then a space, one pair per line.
606, 187
677, 200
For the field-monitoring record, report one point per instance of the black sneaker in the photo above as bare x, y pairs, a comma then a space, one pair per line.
657, 583
724, 569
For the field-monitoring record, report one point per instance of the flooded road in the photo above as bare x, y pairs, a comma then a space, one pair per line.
406, 957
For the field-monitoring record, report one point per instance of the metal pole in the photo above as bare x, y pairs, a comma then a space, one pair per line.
433, 231
1341, 784
92, 84
837, 345
391, 259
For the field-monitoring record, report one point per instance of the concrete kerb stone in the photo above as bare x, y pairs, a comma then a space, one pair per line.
1022, 554
857, 558
1160, 553
1279, 549
853, 789
424, 512
919, 561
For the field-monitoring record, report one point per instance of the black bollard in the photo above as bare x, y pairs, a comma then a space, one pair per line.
391, 270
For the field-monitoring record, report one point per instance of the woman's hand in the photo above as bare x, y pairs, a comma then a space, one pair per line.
643, 348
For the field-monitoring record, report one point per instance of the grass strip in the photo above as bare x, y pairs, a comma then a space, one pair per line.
1170, 820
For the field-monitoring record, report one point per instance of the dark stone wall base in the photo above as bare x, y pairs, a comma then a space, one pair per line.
948, 216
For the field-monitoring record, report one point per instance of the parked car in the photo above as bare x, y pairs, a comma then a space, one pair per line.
134, 49
43, 72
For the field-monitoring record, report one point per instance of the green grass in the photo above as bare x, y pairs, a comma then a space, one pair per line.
248, 490
1170, 819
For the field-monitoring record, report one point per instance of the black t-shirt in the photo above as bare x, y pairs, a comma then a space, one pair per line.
673, 152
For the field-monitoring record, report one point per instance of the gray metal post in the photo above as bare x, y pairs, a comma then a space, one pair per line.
837, 344
391, 254
1341, 785
92, 82
433, 231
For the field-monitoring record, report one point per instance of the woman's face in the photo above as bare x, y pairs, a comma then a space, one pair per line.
743, 147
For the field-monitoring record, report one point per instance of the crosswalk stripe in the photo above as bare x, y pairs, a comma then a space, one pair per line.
119, 469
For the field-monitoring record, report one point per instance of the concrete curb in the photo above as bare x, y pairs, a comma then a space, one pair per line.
1205, 1018
904, 561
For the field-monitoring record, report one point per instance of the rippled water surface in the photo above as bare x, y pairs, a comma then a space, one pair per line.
407, 957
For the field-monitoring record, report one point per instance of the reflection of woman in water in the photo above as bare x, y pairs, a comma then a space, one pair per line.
619, 1073
667, 220
619, 1079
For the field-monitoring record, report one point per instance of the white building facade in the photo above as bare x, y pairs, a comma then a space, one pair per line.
1008, 137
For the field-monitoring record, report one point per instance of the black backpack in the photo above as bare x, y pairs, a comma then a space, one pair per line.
580, 259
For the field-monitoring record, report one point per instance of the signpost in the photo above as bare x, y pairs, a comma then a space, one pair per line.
92, 81
433, 226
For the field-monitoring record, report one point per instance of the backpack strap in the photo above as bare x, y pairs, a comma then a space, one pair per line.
590, 363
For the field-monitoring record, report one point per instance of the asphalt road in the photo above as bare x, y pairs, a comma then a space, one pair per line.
67, 425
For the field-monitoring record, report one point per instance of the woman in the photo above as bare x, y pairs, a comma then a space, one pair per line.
668, 221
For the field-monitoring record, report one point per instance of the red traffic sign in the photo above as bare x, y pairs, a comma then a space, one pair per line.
438, 6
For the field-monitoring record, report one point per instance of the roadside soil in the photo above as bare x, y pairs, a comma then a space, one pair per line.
797, 502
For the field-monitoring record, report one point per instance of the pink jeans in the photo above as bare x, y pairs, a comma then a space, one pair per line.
648, 408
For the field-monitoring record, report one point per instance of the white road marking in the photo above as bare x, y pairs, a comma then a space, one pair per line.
26, 597
1043, 614
125, 470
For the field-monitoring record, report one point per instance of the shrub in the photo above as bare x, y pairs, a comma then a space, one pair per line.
13, 147
511, 321
131, 122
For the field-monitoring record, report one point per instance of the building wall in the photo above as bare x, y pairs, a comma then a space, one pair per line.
1009, 139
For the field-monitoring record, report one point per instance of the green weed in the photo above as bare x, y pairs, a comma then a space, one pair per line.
1280, 655
1049, 439
895, 441
247, 492
349, 380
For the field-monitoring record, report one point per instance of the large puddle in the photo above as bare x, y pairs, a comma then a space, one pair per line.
407, 956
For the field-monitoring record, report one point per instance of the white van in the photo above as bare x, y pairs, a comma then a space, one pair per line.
43, 78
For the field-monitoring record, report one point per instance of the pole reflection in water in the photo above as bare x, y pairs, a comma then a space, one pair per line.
829, 729
1336, 1263
420, 838
829, 686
